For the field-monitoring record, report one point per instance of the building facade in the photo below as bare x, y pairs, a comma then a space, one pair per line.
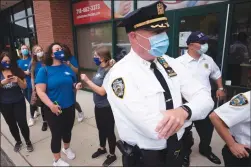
84, 24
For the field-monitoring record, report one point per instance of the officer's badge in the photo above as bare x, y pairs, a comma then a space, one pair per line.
160, 9
206, 65
169, 70
118, 87
239, 100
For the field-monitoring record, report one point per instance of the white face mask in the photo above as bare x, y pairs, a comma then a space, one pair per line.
40, 54
203, 49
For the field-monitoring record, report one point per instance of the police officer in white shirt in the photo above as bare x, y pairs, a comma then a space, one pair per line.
145, 91
233, 123
202, 67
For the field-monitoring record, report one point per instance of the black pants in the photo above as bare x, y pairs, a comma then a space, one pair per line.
15, 116
60, 126
105, 123
205, 130
231, 161
188, 141
170, 157
34, 108
77, 105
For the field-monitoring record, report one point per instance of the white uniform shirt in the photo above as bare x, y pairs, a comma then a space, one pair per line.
201, 69
139, 111
237, 118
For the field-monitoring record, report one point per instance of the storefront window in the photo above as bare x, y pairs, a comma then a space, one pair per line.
19, 11
239, 56
122, 8
31, 24
28, 6
88, 38
123, 45
171, 5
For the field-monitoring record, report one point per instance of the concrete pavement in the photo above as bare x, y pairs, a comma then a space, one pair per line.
84, 142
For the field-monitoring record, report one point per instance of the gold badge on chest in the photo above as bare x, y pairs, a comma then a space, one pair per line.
206, 65
169, 70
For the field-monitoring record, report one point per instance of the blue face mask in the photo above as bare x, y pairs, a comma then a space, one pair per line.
25, 52
59, 55
159, 44
97, 61
5, 65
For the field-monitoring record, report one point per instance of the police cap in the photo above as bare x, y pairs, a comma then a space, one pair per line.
151, 17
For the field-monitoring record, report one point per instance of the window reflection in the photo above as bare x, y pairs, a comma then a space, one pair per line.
123, 45
89, 37
239, 57
19, 11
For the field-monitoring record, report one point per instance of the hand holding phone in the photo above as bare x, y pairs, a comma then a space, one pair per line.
58, 107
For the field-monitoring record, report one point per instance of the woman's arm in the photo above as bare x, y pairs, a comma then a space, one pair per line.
99, 90
75, 70
41, 88
21, 83
32, 78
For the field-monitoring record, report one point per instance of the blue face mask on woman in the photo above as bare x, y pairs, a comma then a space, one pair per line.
5, 65
159, 44
97, 61
25, 52
59, 55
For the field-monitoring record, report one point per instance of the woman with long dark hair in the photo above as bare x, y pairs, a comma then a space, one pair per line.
24, 64
36, 64
55, 85
71, 61
12, 102
103, 112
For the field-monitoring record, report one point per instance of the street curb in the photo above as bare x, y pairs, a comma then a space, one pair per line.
15, 157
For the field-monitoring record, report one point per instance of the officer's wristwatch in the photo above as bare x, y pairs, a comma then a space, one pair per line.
221, 89
188, 110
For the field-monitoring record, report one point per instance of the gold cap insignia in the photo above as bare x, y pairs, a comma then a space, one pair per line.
160, 9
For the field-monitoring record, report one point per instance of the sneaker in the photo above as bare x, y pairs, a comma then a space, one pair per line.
44, 126
110, 159
31, 122
36, 114
98, 153
60, 163
29, 147
18, 146
80, 116
69, 153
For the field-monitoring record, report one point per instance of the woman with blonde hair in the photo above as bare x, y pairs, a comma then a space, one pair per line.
24, 64
36, 64
103, 112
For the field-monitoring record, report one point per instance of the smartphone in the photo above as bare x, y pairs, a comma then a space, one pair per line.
59, 109
10, 76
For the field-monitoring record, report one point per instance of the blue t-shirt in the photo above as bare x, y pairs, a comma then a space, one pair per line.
73, 61
24, 64
59, 82
38, 66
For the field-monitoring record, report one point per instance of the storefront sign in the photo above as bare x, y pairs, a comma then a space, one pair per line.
90, 11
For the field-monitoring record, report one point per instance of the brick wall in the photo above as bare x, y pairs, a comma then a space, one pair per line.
53, 22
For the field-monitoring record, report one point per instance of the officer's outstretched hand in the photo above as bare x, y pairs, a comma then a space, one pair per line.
171, 123
239, 150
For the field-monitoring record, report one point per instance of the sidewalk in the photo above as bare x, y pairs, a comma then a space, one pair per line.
84, 142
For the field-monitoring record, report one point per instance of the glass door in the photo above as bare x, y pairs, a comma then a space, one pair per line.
209, 19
